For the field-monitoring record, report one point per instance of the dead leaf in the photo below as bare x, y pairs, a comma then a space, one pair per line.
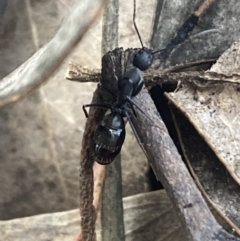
144, 214
213, 111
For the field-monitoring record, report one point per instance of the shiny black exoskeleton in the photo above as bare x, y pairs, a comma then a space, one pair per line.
109, 137
110, 133
143, 59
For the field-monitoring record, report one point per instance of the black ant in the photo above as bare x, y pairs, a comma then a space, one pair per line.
110, 133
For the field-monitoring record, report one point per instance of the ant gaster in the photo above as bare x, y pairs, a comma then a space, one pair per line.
110, 133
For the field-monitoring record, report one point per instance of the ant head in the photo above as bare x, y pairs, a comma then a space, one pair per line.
143, 59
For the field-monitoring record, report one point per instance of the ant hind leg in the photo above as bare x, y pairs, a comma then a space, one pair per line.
136, 134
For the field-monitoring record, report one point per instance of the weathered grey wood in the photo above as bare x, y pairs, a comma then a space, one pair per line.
144, 215
168, 167
112, 209
44, 62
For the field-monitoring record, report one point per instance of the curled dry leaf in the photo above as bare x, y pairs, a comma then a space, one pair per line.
229, 62
141, 221
217, 185
214, 112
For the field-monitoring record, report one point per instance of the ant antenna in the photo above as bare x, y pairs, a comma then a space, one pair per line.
157, 51
134, 23
143, 58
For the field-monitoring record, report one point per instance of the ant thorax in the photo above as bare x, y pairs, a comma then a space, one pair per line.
130, 85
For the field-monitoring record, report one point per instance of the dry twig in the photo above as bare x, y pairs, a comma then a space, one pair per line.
43, 63
169, 168
172, 172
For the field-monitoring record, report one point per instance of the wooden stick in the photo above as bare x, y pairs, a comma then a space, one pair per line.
204, 7
168, 167
43, 63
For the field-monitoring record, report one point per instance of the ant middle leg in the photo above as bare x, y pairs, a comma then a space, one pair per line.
106, 106
136, 134
134, 103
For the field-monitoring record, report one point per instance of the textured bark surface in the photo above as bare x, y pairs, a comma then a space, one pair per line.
216, 184
168, 167
212, 108
112, 206
216, 31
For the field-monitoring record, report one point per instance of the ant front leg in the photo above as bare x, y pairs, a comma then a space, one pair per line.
106, 106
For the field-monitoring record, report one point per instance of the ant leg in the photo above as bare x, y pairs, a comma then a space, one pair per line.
95, 105
133, 110
136, 134
133, 103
